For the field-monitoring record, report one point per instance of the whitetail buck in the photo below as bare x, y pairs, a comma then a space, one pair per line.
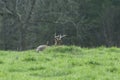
41, 47
58, 39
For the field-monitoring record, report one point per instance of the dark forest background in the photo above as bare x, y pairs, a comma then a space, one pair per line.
25, 24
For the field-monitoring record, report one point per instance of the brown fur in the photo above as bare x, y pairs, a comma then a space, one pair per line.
41, 48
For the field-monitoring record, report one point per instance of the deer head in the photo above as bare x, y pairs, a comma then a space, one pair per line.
58, 39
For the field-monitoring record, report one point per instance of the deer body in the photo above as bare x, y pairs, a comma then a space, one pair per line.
41, 48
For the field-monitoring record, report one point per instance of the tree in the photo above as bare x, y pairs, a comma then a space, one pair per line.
24, 24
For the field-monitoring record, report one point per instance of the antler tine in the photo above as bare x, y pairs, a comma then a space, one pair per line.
54, 34
63, 36
60, 36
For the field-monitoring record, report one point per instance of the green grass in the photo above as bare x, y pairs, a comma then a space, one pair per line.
61, 63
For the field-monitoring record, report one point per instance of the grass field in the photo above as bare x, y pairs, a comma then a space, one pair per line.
61, 63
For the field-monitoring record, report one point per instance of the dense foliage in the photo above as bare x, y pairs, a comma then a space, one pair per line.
61, 63
24, 24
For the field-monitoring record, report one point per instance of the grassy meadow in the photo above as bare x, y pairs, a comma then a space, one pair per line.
61, 63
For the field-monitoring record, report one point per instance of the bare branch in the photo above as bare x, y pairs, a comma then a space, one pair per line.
7, 10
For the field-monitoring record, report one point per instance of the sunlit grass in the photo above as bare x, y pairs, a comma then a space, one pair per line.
61, 63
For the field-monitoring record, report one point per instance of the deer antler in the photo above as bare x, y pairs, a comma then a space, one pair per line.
62, 36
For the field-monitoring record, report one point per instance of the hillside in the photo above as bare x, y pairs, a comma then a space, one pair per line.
61, 63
